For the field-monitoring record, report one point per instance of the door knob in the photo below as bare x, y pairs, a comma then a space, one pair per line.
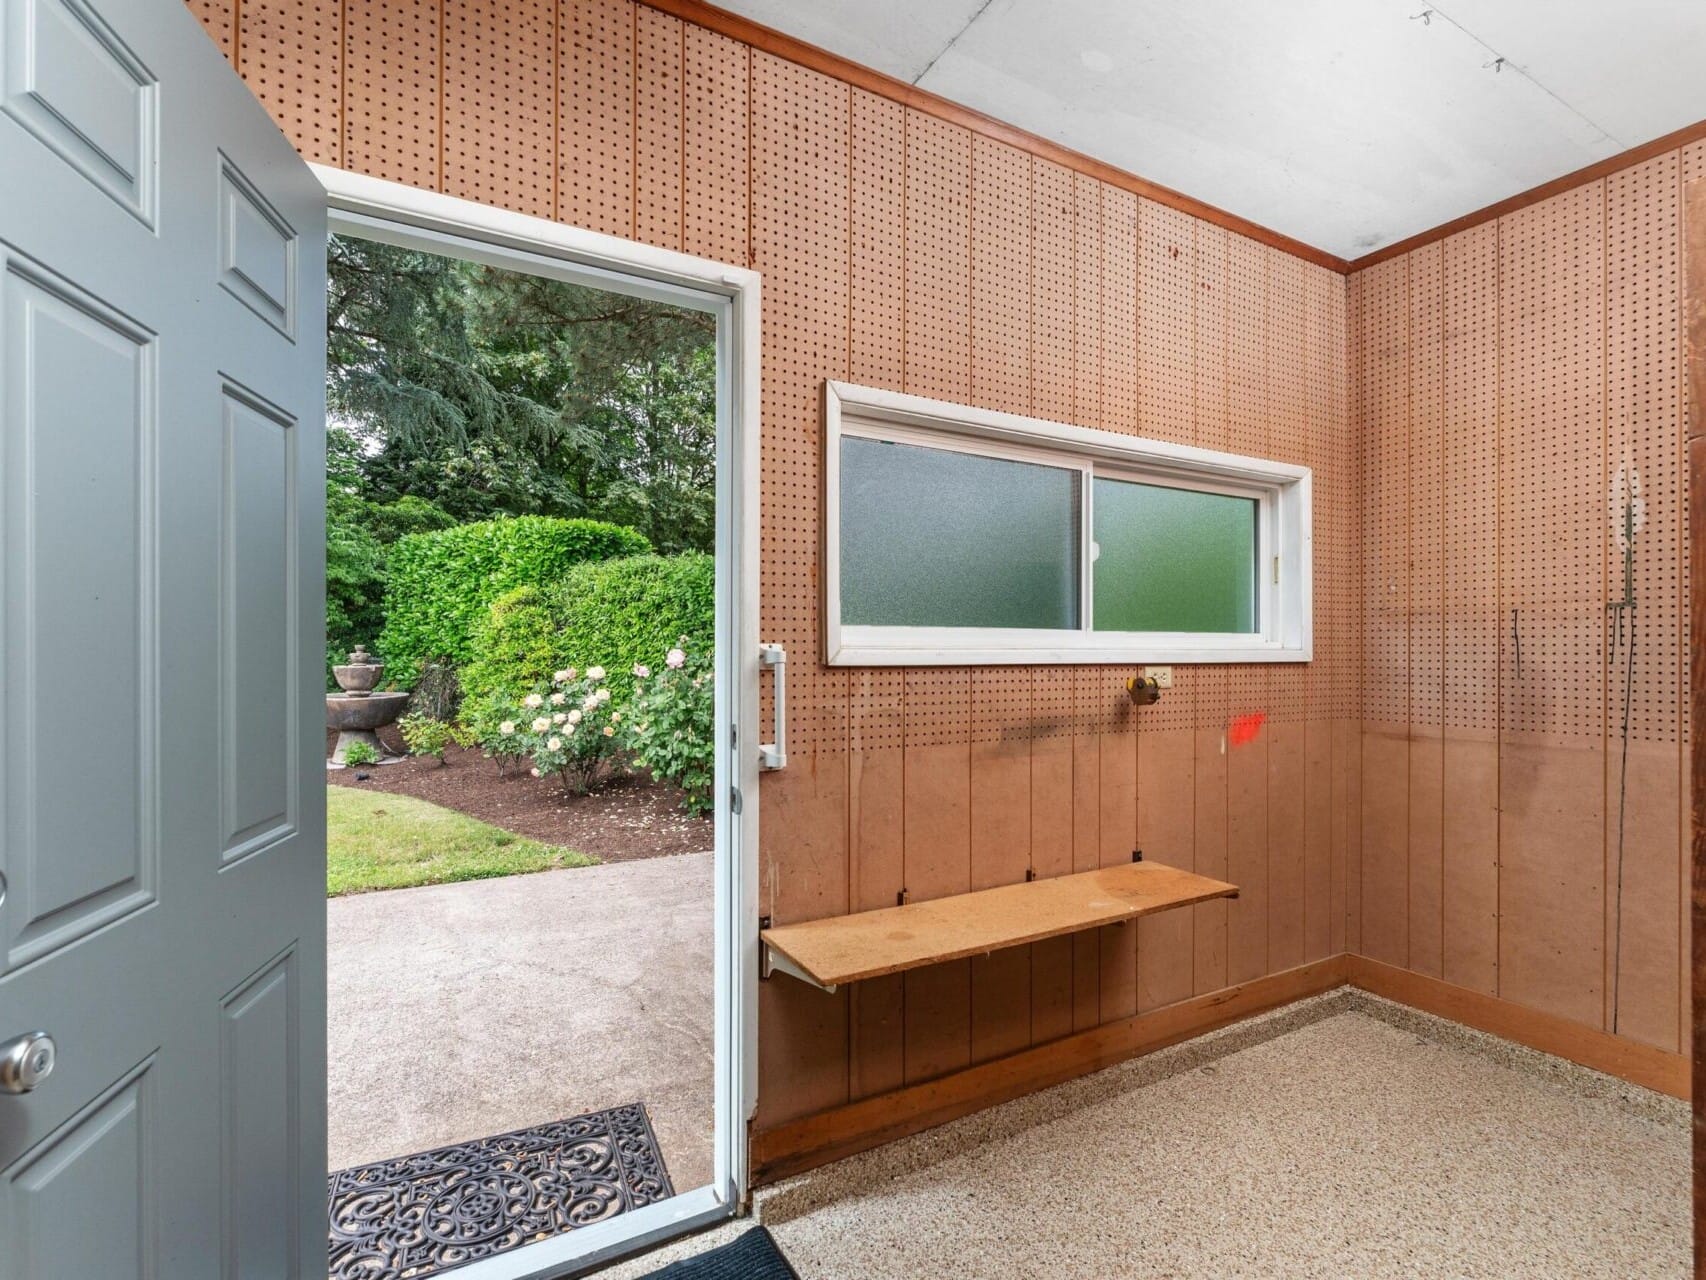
26, 1062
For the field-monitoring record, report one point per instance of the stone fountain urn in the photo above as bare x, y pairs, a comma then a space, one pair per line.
358, 712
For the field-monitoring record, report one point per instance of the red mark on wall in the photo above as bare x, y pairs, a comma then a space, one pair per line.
1245, 728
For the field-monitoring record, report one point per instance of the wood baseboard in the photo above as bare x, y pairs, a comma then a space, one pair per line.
1615, 1055
814, 1140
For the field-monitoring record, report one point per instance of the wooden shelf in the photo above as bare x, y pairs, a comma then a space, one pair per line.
827, 953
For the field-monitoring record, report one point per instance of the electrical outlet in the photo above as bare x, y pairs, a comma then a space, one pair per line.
1163, 676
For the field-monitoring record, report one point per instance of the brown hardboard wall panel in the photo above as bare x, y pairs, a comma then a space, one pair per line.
1470, 686
1552, 520
1425, 505
1645, 682
899, 250
877, 698
499, 104
1385, 883
1562, 880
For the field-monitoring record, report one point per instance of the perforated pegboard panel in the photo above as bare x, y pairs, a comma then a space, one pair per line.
1054, 703
1051, 296
1086, 301
1332, 570
938, 706
217, 18
1211, 317
499, 104
800, 218
1166, 323
1343, 505
1119, 310
938, 258
1000, 294
1001, 705
1470, 264
876, 702
392, 74
714, 108
1286, 328
1250, 407
1426, 499
660, 78
877, 342
288, 52
595, 115
1385, 492
1552, 467
1643, 460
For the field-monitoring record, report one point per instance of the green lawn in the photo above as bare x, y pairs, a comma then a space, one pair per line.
375, 840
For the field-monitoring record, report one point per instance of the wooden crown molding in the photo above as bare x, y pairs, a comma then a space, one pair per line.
808, 55
1534, 195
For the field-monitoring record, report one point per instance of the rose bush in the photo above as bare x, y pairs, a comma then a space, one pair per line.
668, 729
568, 728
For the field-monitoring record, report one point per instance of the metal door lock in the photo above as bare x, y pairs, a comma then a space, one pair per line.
26, 1062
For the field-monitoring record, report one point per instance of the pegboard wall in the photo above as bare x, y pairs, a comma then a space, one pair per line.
904, 251
1518, 390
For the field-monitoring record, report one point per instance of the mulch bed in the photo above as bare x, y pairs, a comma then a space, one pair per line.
629, 818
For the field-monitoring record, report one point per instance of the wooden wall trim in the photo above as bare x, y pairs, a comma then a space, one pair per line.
807, 55
1534, 195
842, 1131
1615, 1055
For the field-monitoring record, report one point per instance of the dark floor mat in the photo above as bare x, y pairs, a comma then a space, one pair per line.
422, 1214
754, 1256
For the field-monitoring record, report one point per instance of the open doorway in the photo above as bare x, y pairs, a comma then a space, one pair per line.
535, 534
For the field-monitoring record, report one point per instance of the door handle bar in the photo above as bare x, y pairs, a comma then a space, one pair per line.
774, 755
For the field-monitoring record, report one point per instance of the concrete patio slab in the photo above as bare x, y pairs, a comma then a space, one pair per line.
461, 1010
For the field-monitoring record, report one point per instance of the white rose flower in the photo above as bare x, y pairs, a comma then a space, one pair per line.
554, 743
564, 676
558, 718
641, 670
590, 703
507, 728
615, 716
575, 716
604, 695
536, 773
532, 700
675, 659
559, 698
595, 673
609, 732
541, 724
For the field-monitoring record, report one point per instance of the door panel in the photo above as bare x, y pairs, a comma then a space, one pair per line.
161, 499
78, 438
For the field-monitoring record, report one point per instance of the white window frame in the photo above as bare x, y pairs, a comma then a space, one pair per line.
1281, 491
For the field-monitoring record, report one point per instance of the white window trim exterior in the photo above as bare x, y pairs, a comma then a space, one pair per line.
1282, 491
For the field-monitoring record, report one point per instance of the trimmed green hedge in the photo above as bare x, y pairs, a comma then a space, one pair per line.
439, 585
620, 612
611, 613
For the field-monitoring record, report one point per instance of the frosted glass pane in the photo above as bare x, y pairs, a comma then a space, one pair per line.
936, 538
1173, 559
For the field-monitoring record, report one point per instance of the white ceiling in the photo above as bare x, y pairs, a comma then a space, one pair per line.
1347, 124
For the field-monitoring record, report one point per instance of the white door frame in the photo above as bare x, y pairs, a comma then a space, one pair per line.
389, 211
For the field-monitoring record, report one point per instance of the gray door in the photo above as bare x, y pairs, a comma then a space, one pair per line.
162, 827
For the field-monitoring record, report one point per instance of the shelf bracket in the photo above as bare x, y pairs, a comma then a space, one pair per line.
773, 961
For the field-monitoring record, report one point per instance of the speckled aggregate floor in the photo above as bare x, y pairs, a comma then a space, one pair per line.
1342, 1137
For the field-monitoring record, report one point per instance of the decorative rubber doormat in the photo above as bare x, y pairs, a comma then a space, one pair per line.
426, 1213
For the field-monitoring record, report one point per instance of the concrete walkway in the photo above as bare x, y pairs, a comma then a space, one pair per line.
462, 1010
